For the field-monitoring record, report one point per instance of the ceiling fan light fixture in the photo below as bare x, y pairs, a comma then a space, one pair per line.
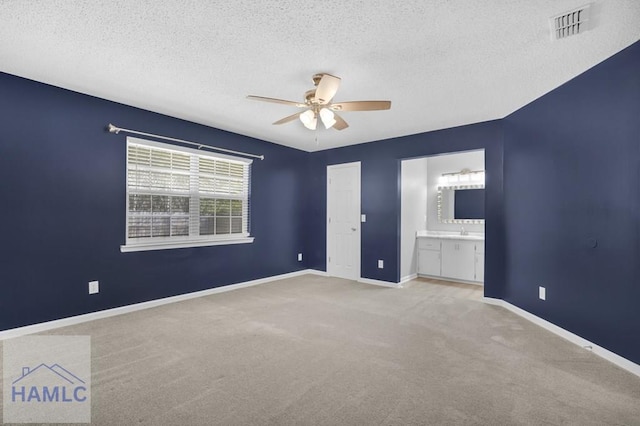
327, 117
309, 119
318, 105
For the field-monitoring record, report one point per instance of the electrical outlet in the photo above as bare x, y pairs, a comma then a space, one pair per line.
299, 257
380, 264
542, 293
94, 287
363, 218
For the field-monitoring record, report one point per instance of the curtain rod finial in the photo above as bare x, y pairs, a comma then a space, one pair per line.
113, 129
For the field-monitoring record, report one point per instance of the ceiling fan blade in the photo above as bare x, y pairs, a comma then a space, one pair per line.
276, 101
327, 88
340, 123
288, 118
361, 106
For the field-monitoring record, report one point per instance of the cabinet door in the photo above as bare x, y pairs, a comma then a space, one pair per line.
429, 262
479, 267
428, 243
458, 260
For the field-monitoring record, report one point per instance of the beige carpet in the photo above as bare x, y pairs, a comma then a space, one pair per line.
316, 350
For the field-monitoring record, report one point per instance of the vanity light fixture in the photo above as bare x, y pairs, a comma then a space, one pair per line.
463, 177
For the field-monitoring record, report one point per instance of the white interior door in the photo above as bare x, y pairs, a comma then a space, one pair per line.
343, 220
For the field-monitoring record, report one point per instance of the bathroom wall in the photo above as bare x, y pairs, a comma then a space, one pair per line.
413, 210
449, 163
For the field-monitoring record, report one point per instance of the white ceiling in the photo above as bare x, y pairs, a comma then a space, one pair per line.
442, 63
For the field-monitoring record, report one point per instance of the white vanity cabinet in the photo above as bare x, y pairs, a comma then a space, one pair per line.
451, 258
458, 259
479, 258
429, 256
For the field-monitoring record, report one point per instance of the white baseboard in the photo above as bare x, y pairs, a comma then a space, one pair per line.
451, 280
408, 278
573, 338
380, 283
64, 322
317, 272
360, 280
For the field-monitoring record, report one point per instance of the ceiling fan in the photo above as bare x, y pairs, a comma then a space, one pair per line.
317, 103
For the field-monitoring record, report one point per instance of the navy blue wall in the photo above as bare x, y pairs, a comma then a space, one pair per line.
572, 205
62, 189
562, 205
380, 197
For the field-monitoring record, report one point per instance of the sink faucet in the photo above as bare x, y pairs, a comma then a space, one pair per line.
462, 231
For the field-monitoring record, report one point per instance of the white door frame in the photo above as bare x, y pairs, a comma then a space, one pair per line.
356, 273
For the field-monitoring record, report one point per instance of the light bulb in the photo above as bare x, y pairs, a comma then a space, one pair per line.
327, 117
309, 119
312, 125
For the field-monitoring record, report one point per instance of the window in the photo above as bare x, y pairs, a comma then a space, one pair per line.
181, 197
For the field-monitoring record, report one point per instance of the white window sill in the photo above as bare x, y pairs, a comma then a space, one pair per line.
182, 244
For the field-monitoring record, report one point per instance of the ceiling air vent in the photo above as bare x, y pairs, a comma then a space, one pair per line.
570, 23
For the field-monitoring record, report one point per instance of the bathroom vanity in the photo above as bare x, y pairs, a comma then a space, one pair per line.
451, 256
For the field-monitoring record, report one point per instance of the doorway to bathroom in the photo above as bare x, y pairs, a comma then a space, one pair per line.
442, 221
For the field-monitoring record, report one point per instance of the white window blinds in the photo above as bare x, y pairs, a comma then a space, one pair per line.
180, 197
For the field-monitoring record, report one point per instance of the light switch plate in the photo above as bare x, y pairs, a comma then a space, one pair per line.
380, 264
94, 287
299, 257
542, 293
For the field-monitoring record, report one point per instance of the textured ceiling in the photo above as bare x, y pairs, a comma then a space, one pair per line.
442, 63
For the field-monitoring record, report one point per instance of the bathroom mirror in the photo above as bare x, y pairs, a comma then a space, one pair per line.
461, 204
